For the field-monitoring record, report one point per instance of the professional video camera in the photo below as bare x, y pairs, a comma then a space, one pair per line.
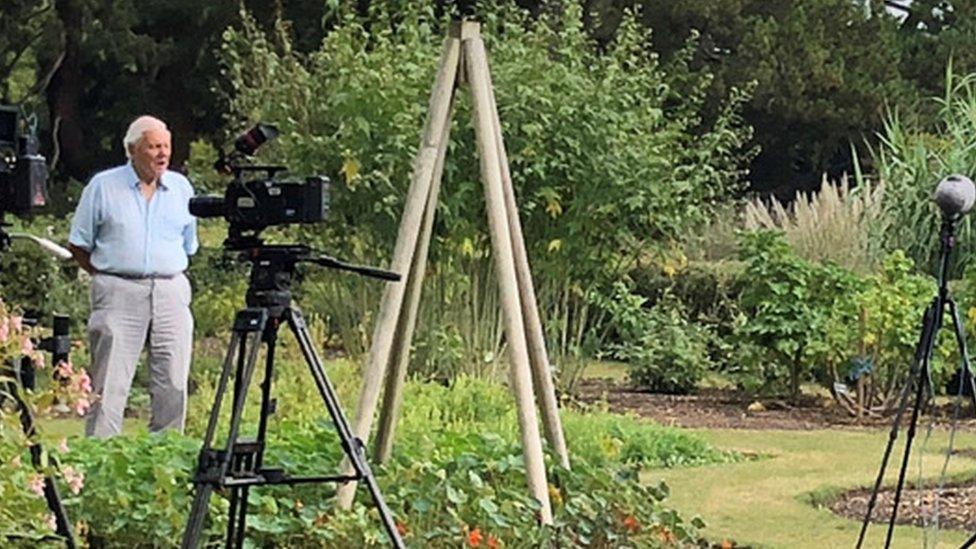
23, 172
255, 200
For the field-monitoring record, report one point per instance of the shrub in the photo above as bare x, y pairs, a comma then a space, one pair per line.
709, 292
787, 302
664, 349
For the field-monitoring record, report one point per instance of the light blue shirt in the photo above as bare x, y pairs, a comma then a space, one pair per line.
128, 235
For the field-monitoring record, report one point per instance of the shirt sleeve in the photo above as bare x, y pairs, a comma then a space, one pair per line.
190, 243
84, 225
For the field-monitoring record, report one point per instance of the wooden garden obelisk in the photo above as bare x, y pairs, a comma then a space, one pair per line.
463, 61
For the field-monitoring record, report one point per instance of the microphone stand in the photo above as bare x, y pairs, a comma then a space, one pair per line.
920, 377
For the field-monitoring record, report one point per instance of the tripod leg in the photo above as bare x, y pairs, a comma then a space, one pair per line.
352, 445
51, 495
253, 462
237, 514
922, 383
212, 468
967, 371
204, 489
928, 329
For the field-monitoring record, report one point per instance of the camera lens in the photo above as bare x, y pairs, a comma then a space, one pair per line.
207, 206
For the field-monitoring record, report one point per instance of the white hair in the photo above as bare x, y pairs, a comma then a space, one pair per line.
138, 127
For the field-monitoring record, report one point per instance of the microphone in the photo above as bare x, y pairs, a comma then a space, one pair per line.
50, 247
955, 195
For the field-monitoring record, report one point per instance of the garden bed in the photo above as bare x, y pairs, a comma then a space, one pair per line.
916, 507
731, 409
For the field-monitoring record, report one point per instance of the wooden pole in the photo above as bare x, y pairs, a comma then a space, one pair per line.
476, 66
545, 390
403, 252
396, 377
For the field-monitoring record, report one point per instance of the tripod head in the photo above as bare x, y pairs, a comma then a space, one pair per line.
273, 268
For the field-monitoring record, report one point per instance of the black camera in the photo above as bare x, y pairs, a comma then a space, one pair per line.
23, 171
255, 199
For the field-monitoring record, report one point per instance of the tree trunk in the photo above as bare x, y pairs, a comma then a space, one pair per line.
65, 92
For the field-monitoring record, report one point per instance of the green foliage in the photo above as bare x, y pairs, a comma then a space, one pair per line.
912, 158
709, 294
607, 156
24, 514
787, 302
885, 320
665, 350
457, 469
219, 285
35, 281
136, 489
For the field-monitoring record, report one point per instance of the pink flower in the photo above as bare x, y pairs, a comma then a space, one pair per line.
38, 360
63, 446
17, 322
81, 406
26, 346
4, 329
84, 382
52, 522
74, 478
36, 485
65, 369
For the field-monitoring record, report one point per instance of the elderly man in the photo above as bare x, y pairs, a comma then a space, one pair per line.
133, 232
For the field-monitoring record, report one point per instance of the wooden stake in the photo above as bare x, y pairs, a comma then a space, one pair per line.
403, 252
396, 377
545, 390
501, 240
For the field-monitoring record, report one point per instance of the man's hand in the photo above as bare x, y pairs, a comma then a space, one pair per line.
83, 257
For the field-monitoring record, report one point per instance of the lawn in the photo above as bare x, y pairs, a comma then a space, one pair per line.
763, 503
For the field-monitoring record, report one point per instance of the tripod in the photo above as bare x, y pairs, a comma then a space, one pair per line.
23, 376
920, 379
240, 465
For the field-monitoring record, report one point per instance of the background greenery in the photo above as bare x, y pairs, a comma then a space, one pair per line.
657, 151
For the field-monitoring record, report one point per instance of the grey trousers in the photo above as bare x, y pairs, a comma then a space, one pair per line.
127, 314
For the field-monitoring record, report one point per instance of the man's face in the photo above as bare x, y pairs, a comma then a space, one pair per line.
151, 155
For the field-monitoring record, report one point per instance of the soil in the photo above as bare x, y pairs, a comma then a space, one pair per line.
730, 409
916, 507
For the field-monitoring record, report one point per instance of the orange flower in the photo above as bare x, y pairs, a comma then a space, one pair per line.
631, 524
493, 542
666, 535
474, 538
401, 528
726, 544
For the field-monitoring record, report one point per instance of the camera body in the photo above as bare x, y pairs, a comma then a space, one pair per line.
23, 171
250, 205
255, 199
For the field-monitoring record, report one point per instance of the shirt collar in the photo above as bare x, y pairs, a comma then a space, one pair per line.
132, 178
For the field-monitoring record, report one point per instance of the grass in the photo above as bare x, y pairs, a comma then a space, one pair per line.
766, 503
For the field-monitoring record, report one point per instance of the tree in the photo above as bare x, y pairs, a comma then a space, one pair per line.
823, 73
